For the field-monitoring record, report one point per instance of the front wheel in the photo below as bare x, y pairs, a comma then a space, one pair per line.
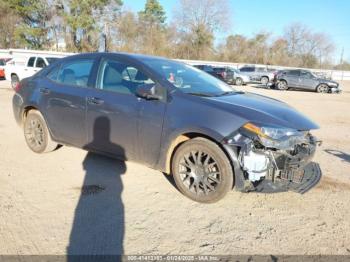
322, 88
37, 134
202, 171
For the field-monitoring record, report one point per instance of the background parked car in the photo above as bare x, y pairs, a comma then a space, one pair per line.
258, 74
304, 79
35, 63
2, 68
231, 76
207, 68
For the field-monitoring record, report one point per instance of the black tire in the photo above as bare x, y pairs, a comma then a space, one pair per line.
264, 80
282, 85
238, 81
37, 134
202, 171
322, 88
14, 81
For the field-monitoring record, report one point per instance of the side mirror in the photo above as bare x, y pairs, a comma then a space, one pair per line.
147, 91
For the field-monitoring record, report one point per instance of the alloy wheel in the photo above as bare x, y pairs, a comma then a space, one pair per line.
322, 88
34, 134
199, 172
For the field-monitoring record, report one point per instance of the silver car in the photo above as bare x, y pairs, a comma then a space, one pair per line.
257, 74
305, 79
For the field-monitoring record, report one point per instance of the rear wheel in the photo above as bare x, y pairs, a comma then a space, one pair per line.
238, 81
322, 88
14, 81
264, 80
282, 85
202, 171
36, 133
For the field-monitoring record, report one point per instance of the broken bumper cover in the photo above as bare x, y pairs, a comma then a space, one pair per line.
311, 176
335, 90
269, 170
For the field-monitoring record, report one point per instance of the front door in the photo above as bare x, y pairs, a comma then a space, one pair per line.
30, 69
114, 111
307, 81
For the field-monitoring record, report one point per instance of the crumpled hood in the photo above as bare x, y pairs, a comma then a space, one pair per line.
264, 110
327, 81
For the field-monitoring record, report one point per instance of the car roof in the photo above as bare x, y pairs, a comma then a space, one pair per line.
121, 54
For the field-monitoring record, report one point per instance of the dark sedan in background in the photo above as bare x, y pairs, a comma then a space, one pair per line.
306, 80
227, 74
171, 117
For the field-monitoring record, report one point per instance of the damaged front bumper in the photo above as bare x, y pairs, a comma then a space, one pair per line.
270, 170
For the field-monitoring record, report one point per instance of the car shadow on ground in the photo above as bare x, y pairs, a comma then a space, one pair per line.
98, 226
340, 154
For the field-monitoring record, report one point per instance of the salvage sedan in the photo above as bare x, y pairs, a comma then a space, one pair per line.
171, 117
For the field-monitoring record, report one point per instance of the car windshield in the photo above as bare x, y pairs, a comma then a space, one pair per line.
189, 79
2, 63
50, 60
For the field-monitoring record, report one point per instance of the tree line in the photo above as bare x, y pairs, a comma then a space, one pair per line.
192, 33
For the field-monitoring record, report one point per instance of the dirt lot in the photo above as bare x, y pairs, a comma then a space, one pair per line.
135, 210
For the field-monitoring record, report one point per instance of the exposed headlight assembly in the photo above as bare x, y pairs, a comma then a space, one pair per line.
332, 84
275, 137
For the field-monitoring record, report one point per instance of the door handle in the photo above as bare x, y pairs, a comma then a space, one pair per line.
44, 90
95, 101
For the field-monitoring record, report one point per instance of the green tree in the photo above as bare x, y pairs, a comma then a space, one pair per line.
31, 32
153, 12
83, 27
152, 28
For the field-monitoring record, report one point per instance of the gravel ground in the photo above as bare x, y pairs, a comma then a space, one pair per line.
136, 210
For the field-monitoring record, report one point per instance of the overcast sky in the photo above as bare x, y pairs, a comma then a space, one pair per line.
251, 16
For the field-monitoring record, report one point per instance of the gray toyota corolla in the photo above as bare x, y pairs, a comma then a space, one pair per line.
172, 117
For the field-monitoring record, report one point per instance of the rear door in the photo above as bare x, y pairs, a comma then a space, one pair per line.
292, 78
63, 96
249, 71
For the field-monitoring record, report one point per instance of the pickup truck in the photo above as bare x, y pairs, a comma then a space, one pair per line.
17, 72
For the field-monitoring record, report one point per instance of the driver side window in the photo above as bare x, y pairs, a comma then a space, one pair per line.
121, 78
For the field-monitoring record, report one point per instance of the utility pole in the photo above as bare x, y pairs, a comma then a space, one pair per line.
342, 57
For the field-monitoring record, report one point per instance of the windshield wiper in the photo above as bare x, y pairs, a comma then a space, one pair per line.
200, 94
229, 93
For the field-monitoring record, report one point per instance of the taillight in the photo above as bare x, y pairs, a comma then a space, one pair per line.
17, 87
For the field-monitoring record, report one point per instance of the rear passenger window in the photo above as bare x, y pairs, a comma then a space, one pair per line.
293, 73
75, 73
53, 74
120, 78
247, 69
40, 63
31, 62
